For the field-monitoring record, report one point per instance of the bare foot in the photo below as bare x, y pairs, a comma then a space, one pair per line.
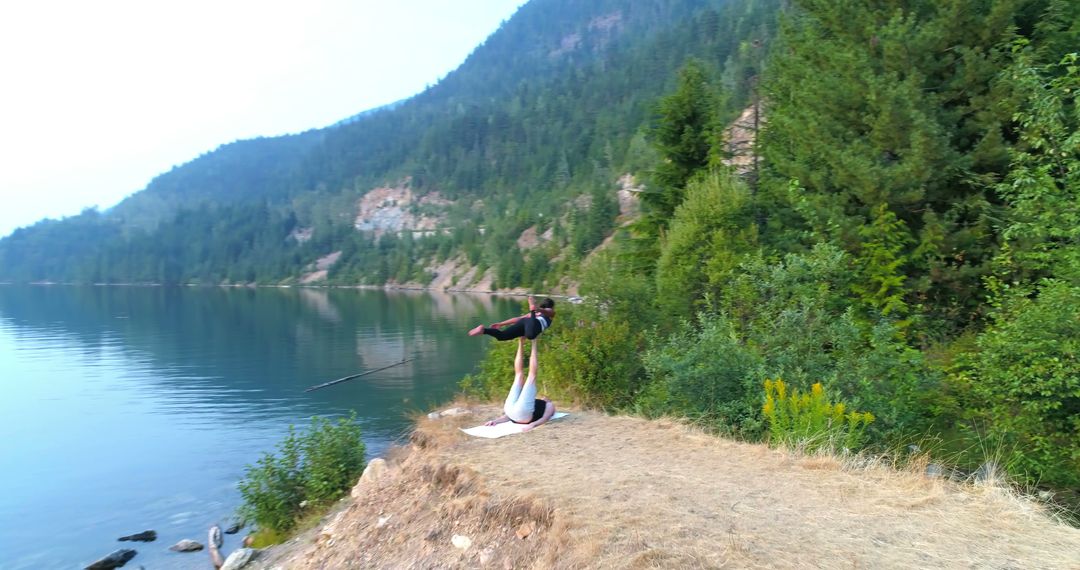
477, 330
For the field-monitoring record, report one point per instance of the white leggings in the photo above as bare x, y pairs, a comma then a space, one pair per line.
521, 401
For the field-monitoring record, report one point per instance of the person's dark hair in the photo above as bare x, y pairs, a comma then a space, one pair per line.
547, 304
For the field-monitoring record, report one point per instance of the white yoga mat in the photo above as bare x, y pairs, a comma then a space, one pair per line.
505, 428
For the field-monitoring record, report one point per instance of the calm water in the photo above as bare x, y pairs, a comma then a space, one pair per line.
125, 409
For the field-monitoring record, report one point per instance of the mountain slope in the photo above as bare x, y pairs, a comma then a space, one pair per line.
548, 109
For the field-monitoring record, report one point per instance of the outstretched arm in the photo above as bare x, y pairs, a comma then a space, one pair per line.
507, 322
498, 420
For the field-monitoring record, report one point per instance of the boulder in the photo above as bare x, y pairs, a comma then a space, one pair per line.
144, 536
375, 470
433, 416
186, 545
238, 559
454, 412
114, 560
235, 528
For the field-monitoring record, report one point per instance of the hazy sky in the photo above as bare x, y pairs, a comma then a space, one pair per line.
97, 97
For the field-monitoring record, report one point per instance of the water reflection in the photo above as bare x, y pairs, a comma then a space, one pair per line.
133, 408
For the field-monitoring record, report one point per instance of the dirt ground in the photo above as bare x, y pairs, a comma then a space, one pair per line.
594, 491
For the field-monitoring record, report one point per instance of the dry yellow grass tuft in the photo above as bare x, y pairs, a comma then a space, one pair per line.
594, 491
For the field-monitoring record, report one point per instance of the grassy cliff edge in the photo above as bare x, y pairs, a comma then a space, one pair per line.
598, 491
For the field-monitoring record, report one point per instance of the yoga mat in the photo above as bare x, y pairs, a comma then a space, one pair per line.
505, 428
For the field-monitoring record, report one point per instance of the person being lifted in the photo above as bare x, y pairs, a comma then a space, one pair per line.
529, 325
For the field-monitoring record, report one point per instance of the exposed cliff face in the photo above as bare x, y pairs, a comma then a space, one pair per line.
740, 138
397, 208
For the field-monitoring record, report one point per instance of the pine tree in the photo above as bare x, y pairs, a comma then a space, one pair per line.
895, 105
684, 135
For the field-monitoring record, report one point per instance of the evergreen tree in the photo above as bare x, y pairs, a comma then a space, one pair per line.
684, 134
895, 106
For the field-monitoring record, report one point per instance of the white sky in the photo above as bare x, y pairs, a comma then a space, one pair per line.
98, 97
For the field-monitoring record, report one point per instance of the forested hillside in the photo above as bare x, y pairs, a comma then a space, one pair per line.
898, 261
902, 267
533, 129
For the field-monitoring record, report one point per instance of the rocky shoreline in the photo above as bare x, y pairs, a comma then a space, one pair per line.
215, 540
517, 292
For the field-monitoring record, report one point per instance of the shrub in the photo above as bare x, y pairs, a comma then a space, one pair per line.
310, 469
710, 231
593, 363
809, 421
1027, 373
702, 371
797, 315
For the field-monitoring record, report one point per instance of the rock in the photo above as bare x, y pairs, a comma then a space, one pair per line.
248, 541
382, 521
934, 470
913, 449
186, 545
144, 536
486, 556
460, 541
988, 473
375, 469
235, 528
114, 560
454, 412
524, 530
331, 528
238, 559
433, 416
214, 536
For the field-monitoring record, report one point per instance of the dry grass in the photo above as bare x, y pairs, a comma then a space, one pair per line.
618, 492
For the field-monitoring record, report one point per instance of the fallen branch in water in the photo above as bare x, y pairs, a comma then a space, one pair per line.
339, 380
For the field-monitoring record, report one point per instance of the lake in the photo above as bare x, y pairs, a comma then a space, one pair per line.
134, 408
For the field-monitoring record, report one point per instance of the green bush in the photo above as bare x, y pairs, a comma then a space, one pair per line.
310, 469
710, 232
1027, 373
797, 315
703, 372
592, 363
809, 421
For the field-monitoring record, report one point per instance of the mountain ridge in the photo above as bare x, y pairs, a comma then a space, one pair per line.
551, 106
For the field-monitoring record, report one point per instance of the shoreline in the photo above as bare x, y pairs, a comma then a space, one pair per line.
497, 292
